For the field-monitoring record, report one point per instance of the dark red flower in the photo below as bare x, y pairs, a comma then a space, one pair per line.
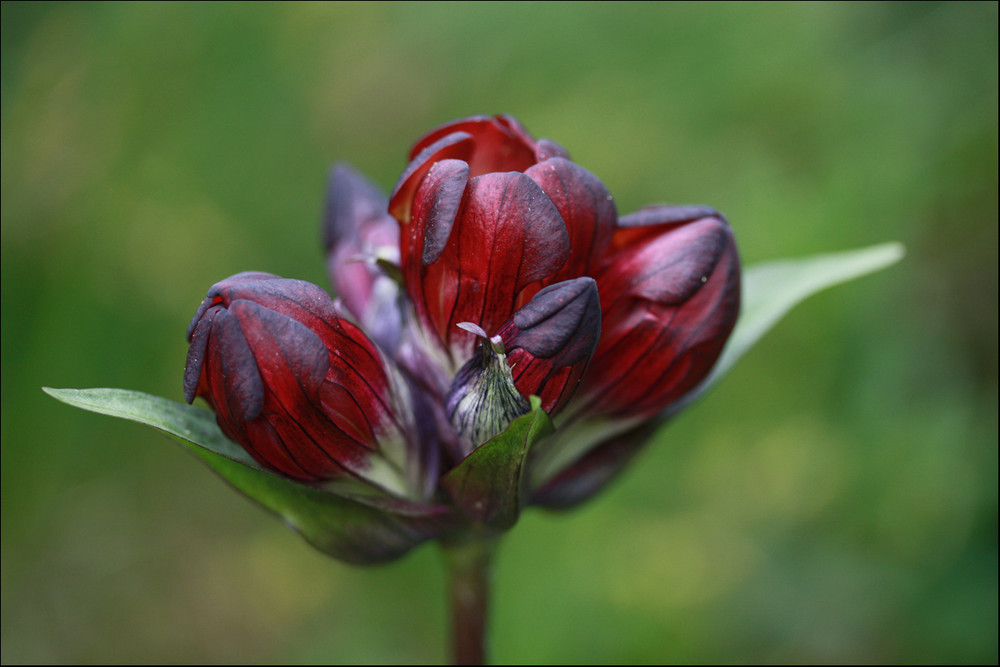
670, 285
497, 270
303, 390
489, 217
477, 244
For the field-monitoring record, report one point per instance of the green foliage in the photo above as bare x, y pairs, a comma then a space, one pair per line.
489, 483
771, 290
349, 526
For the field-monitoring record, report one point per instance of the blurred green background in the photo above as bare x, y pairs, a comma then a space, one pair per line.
835, 500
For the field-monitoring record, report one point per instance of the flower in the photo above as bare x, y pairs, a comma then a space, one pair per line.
305, 392
669, 284
498, 270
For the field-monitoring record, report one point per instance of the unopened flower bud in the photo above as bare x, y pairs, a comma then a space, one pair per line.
305, 392
483, 399
670, 295
362, 242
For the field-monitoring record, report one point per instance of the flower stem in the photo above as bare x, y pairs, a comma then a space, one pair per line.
469, 560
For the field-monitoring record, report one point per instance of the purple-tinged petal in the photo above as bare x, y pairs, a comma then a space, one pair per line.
214, 296
360, 237
198, 337
664, 214
352, 202
547, 149
294, 364
587, 208
549, 341
441, 192
668, 267
453, 146
562, 321
426, 237
241, 382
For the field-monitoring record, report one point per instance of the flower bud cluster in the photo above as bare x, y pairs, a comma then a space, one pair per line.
496, 271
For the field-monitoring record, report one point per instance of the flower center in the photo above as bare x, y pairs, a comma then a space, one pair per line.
483, 400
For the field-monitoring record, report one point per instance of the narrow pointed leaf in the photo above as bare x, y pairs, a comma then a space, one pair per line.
191, 424
488, 484
347, 530
771, 290
347, 526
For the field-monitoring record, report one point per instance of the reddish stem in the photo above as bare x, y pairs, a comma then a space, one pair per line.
469, 561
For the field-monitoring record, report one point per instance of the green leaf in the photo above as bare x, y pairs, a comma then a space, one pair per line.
345, 529
488, 485
771, 290
190, 424
361, 529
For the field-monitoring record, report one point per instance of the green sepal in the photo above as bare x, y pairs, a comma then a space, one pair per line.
489, 484
351, 521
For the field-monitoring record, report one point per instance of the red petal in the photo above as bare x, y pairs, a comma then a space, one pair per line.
455, 145
550, 341
230, 363
216, 291
669, 301
293, 362
587, 208
292, 359
506, 236
441, 131
501, 143
198, 335
653, 221
440, 197
667, 268
275, 443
